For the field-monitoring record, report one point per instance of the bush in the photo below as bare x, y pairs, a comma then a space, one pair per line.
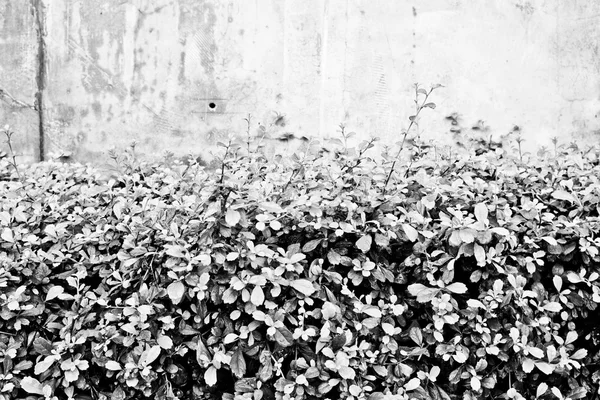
310, 277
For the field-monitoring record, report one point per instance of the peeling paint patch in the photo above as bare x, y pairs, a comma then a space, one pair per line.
97, 109
526, 7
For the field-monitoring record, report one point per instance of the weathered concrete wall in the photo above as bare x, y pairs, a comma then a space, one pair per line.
18, 74
181, 74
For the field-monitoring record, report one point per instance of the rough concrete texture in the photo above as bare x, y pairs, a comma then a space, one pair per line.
181, 74
18, 72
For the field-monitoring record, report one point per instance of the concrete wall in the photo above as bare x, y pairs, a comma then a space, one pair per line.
182, 74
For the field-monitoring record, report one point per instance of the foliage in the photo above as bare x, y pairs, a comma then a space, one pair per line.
302, 278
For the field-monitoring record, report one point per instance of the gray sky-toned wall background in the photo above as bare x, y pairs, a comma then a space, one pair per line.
180, 74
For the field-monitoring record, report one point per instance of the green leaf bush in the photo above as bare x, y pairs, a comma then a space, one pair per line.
326, 275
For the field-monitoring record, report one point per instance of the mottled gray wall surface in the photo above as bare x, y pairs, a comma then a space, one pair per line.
181, 74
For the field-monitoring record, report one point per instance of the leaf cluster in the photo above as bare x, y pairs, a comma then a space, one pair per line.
321, 275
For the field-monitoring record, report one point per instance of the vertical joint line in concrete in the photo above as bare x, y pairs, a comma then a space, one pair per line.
39, 14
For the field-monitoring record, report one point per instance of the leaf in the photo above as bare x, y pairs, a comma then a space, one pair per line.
457, 287
118, 208
230, 338
553, 306
388, 328
238, 363
372, 311
324, 388
175, 251
304, 286
460, 357
346, 372
364, 243
176, 290
412, 384
416, 288
275, 225
329, 310
258, 296
311, 245
557, 280
411, 233
203, 355
333, 257
479, 253
355, 390
43, 366
563, 195
481, 213
54, 292
382, 240
266, 366
577, 393
271, 207
113, 366
229, 296
165, 342
31, 385
430, 105
7, 235
423, 293
210, 376
537, 353
380, 370
541, 389
501, 231
149, 355
571, 337
475, 383
545, 367
371, 323
528, 365
416, 335
466, 235
118, 394
579, 354
284, 337
232, 217
454, 240
338, 342
573, 277
557, 392
474, 303
42, 346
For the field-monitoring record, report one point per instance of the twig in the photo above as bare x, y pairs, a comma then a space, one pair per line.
412, 118
9, 134
10, 99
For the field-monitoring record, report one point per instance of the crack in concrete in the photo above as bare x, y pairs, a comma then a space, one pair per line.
38, 10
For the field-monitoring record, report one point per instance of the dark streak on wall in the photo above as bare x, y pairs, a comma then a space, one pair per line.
38, 11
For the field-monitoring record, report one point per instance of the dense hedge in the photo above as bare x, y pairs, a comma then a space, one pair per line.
302, 278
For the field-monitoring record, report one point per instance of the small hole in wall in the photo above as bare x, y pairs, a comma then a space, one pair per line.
212, 106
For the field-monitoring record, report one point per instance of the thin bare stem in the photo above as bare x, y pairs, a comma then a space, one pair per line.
413, 119
9, 134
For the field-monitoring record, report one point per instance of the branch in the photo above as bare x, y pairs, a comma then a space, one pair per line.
8, 98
